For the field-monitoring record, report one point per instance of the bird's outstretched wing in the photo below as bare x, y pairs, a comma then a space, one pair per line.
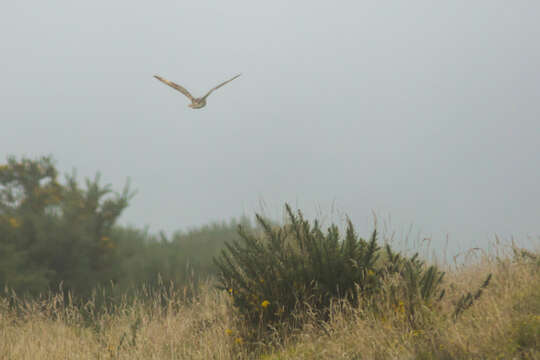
220, 85
175, 86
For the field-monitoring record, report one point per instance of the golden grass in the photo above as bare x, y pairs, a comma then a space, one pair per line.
504, 323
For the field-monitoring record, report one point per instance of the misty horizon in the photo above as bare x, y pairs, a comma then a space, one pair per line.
421, 114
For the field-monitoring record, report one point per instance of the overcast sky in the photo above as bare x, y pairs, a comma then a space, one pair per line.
426, 113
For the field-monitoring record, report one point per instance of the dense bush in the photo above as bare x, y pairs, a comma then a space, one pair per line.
294, 266
55, 233
52, 233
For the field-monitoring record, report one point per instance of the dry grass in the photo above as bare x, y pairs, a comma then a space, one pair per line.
504, 323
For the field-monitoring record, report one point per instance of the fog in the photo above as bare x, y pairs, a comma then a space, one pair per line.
427, 115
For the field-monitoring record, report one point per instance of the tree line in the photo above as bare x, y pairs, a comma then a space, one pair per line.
63, 234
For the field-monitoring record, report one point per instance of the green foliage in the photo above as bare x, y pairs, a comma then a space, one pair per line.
54, 233
416, 285
467, 300
184, 260
297, 266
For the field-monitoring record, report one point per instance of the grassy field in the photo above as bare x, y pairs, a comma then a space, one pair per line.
503, 323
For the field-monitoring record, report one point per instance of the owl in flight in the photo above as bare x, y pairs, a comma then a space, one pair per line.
196, 103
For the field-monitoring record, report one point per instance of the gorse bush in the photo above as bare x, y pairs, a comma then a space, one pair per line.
409, 286
52, 233
55, 232
466, 301
297, 266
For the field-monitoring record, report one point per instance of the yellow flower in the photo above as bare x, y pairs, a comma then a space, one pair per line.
371, 272
14, 222
105, 238
239, 341
231, 291
265, 303
228, 332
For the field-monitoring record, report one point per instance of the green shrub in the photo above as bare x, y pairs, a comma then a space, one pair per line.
52, 233
297, 266
416, 287
466, 301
